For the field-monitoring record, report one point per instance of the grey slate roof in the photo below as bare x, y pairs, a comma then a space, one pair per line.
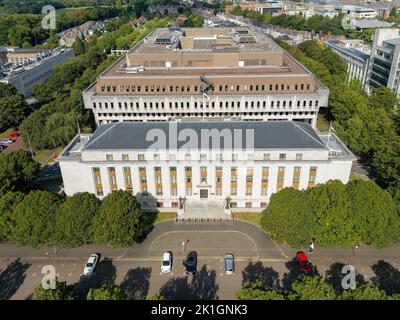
267, 134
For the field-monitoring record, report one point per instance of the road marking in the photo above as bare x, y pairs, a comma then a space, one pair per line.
230, 231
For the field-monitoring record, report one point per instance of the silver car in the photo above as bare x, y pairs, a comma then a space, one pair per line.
229, 263
91, 264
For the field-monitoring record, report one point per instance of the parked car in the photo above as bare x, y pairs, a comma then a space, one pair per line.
91, 264
304, 264
229, 263
166, 262
2, 147
191, 262
8, 140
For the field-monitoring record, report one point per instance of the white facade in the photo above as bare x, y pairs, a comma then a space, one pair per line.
357, 57
259, 107
259, 172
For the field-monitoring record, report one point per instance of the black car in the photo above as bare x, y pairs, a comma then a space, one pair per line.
2, 147
191, 262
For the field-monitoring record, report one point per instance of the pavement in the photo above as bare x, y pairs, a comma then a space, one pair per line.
137, 268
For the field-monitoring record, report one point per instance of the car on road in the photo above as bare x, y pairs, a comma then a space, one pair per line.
191, 262
8, 141
166, 262
303, 262
2, 147
91, 264
229, 263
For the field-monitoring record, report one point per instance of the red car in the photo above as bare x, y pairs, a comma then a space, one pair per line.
304, 263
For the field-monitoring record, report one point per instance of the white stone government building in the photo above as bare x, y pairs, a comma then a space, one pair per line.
240, 162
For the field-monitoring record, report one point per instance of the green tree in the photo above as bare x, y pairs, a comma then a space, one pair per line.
331, 207
13, 106
61, 292
311, 288
106, 293
384, 98
366, 291
34, 218
74, 220
17, 169
120, 221
374, 213
288, 217
78, 46
255, 291
7, 206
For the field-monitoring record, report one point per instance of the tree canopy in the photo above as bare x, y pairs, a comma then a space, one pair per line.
120, 220
17, 170
74, 220
34, 218
288, 217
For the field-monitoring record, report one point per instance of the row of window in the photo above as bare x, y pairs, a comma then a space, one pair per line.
227, 104
218, 88
207, 114
203, 179
203, 157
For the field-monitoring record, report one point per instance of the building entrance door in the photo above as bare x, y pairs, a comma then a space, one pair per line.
203, 193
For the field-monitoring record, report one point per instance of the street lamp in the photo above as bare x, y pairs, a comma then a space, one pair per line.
29, 140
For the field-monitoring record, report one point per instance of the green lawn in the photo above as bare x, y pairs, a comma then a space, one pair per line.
6, 133
41, 155
153, 217
252, 217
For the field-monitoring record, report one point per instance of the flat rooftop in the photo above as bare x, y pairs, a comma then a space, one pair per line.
218, 40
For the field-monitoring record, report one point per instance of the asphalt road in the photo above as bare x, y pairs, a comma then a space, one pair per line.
137, 269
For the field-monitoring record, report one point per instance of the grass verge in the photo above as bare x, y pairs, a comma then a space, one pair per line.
153, 217
252, 217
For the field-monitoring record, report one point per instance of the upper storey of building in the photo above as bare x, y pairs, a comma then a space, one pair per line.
189, 61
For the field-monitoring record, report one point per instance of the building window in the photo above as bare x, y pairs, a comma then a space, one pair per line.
296, 177
233, 181
203, 157
264, 181
203, 174
299, 156
235, 157
219, 157
218, 181
143, 179
266, 156
281, 178
249, 181
109, 157
172, 177
125, 157
282, 156
187, 157
312, 177
158, 180
112, 178
128, 178
140, 157
97, 181
156, 157
188, 181
248, 205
